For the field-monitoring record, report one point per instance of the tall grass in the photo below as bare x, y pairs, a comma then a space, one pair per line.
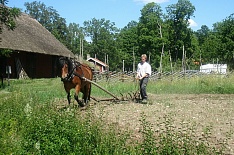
31, 124
213, 84
206, 84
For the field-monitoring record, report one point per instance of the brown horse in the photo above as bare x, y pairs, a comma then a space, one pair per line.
73, 76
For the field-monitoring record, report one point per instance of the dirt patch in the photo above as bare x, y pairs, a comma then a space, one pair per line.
212, 113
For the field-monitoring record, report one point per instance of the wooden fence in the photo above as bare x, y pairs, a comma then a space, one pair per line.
130, 76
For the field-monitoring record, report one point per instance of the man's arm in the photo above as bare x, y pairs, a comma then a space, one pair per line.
144, 75
138, 72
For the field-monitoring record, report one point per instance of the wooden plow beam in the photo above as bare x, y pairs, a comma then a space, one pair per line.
127, 97
101, 88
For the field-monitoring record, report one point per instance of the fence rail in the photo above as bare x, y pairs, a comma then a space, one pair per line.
130, 76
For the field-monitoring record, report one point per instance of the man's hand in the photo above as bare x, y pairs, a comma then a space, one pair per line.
142, 77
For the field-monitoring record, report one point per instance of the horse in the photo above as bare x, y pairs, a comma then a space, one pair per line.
73, 75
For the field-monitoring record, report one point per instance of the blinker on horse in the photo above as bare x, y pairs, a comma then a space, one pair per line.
73, 76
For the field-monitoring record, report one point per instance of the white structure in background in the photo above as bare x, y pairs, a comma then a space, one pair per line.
214, 68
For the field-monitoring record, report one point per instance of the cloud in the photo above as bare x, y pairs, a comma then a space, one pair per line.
149, 1
192, 23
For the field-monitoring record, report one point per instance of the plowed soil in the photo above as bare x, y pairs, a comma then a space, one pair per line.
211, 114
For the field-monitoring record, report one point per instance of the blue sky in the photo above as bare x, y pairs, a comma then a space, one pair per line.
121, 12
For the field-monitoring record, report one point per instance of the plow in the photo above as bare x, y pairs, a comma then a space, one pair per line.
135, 96
79, 76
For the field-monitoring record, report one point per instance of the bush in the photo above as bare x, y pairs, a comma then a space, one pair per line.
31, 124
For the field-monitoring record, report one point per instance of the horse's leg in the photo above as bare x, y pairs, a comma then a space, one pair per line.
86, 95
76, 96
89, 91
68, 97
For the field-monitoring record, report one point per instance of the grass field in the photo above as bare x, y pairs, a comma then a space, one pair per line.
189, 116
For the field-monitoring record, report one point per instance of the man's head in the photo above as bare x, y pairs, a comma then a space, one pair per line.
143, 58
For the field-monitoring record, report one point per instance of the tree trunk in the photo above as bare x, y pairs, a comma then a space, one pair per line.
162, 52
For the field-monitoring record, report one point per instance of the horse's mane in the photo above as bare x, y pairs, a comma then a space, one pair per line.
65, 60
70, 65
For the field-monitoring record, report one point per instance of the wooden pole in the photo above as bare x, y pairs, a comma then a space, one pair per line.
133, 64
149, 57
80, 49
183, 60
101, 88
200, 59
105, 58
162, 52
171, 62
95, 62
123, 66
107, 61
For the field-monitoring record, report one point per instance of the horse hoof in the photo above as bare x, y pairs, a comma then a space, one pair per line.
81, 104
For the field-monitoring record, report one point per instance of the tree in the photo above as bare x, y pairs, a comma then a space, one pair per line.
225, 33
127, 43
202, 34
150, 32
179, 33
74, 37
210, 48
7, 18
103, 35
49, 18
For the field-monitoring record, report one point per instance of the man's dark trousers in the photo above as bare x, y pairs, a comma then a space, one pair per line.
143, 84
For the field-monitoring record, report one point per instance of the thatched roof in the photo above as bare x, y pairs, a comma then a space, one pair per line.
30, 36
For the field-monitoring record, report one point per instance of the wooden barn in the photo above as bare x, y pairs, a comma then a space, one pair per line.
102, 67
35, 50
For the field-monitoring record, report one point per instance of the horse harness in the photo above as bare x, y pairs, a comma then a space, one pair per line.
72, 72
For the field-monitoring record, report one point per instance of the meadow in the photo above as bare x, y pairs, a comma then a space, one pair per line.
184, 116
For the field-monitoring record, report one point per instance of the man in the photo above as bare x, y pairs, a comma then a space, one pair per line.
143, 73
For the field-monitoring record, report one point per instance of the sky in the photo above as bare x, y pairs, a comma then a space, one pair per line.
121, 12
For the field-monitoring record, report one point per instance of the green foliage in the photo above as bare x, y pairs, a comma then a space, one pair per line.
150, 35
7, 16
128, 45
225, 34
49, 18
217, 43
103, 35
179, 34
5, 52
31, 123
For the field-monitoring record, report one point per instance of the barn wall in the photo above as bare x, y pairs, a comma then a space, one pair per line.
3, 63
44, 66
34, 64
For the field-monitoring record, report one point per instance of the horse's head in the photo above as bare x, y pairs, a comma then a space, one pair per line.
66, 68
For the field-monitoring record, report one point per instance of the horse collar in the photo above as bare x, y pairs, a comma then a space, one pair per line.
73, 73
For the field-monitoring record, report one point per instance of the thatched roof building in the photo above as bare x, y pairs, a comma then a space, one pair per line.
31, 36
35, 49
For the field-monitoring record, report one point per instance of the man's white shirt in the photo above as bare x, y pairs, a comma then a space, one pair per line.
143, 68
